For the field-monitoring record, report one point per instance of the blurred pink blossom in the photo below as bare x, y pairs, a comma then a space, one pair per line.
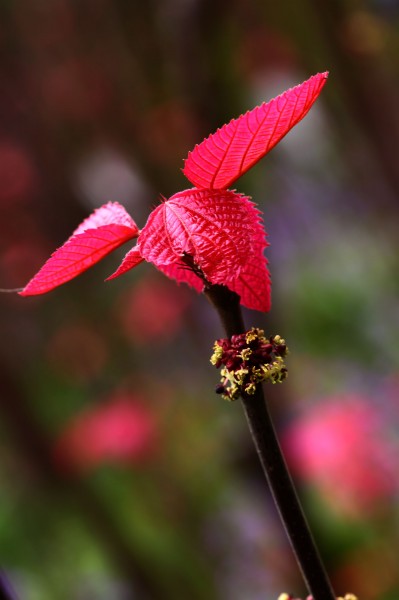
120, 430
342, 447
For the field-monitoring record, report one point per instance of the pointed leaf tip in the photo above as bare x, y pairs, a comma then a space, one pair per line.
131, 260
237, 146
103, 231
111, 213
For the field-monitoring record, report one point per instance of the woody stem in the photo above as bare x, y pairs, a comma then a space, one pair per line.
227, 305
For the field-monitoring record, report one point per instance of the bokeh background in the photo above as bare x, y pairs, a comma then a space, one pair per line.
122, 474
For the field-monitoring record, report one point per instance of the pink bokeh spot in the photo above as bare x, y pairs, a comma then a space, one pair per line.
120, 430
341, 447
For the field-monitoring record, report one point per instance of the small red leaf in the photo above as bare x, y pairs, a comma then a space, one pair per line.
131, 260
230, 152
107, 228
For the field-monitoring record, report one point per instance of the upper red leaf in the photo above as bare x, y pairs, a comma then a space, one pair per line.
227, 154
103, 231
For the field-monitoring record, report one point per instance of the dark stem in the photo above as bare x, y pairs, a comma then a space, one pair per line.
267, 446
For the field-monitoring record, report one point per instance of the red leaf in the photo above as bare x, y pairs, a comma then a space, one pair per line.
230, 152
253, 285
213, 227
131, 260
103, 231
111, 213
222, 233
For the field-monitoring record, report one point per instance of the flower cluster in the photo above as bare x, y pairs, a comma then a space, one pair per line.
288, 597
248, 359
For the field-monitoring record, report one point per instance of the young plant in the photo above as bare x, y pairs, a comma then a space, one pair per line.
202, 236
213, 239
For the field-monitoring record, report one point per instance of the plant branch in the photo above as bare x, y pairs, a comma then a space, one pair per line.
272, 460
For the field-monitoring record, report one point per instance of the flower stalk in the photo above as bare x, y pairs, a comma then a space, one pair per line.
227, 305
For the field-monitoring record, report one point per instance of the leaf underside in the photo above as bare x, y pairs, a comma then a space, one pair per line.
237, 146
106, 229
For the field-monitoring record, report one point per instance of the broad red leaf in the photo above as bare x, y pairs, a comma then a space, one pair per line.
213, 227
227, 154
103, 231
253, 284
221, 231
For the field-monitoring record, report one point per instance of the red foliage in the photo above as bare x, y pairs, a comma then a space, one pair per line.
104, 230
220, 230
224, 156
206, 235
